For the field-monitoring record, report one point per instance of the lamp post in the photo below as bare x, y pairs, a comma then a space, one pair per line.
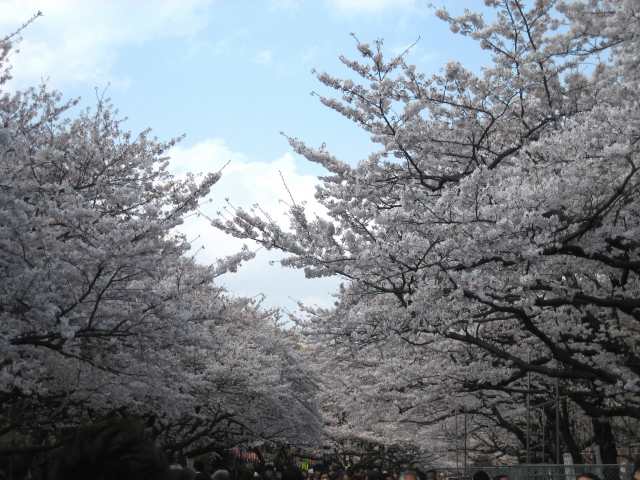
557, 406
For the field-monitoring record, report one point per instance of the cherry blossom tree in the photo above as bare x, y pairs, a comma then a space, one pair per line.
497, 224
103, 310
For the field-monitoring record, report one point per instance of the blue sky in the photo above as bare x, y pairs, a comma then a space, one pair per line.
230, 74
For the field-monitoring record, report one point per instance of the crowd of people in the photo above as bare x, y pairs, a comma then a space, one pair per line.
121, 450
482, 475
287, 471
335, 472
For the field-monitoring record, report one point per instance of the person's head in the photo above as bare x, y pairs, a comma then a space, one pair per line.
410, 475
221, 475
115, 450
636, 472
198, 465
358, 474
587, 476
501, 476
324, 476
481, 475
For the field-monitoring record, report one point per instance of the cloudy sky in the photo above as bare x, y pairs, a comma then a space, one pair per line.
231, 75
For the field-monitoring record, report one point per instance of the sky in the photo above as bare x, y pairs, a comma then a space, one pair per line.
230, 75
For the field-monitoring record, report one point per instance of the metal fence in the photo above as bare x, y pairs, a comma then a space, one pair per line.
542, 472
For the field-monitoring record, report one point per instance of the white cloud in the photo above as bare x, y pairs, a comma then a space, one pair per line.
368, 6
263, 57
78, 40
246, 183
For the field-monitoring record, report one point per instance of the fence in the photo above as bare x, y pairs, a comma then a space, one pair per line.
540, 472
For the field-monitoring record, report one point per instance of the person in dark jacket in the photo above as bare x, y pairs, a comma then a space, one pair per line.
198, 465
114, 450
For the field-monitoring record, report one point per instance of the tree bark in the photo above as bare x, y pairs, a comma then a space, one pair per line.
603, 434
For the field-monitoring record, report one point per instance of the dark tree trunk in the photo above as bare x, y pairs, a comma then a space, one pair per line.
603, 434
567, 434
